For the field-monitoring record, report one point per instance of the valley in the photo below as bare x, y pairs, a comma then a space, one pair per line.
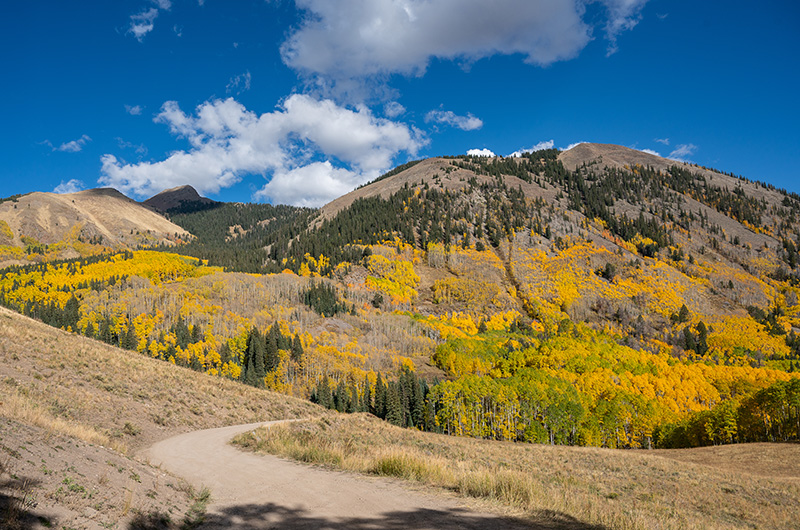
495, 312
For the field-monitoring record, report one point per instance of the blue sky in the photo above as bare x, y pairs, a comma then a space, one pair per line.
300, 101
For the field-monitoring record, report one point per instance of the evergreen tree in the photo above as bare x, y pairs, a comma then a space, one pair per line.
71, 314
129, 341
380, 398
689, 341
683, 315
256, 369
366, 397
341, 397
394, 406
272, 359
104, 333
702, 338
353, 403
297, 349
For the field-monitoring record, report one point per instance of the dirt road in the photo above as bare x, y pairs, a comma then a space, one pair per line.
260, 491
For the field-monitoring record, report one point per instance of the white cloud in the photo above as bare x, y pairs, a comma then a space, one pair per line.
570, 146
72, 186
143, 23
548, 144
310, 185
75, 146
447, 117
481, 152
239, 84
623, 15
664, 141
682, 152
650, 152
352, 39
313, 150
393, 109
133, 110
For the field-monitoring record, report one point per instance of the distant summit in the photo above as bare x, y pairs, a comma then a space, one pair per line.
182, 199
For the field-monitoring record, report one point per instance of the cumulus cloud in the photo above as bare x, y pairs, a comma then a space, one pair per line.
310, 185
71, 186
239, 84
447, 117
682, 152
133, 110
481, 152
548, 144
310, 150
352, 39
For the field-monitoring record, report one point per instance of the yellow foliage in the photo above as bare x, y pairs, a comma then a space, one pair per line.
394, 277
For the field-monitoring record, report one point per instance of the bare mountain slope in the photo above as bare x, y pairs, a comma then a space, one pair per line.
98, 217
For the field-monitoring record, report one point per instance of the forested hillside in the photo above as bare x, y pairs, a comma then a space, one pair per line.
599, 296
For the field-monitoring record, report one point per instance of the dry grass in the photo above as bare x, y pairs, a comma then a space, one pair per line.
65, 396
16, 404
84, 388
616, 489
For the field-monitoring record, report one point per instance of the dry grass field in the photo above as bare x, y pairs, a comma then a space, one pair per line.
547, 484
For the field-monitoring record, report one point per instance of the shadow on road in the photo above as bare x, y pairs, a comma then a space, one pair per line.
260, 516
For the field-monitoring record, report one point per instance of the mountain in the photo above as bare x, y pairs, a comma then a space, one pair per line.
179, 199
70, 225
599, 296
649, 300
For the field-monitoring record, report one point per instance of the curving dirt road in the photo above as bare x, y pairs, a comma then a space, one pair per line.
252, 491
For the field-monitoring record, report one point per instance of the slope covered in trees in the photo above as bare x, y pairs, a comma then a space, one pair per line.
620, 305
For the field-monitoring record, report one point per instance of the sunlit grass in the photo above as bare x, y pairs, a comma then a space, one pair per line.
618, 489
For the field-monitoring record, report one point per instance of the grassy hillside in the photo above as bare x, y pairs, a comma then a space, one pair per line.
562, 487
74, 412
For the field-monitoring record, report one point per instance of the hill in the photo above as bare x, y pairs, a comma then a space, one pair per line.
45, 226
179, 199
74, 412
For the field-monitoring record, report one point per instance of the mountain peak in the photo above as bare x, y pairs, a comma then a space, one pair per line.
178, 198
